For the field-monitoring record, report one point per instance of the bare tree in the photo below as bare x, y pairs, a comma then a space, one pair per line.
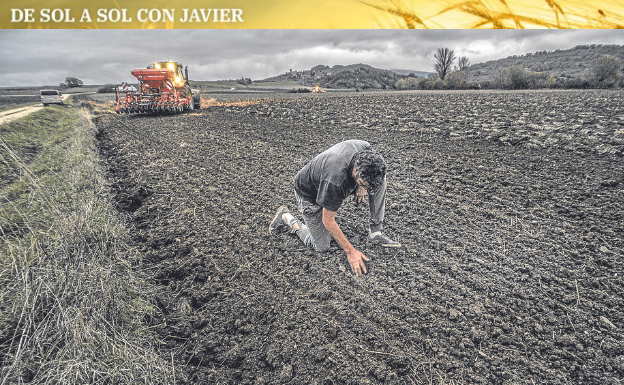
444, 59
463, 62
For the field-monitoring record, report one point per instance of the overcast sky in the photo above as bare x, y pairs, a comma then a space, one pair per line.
47, 57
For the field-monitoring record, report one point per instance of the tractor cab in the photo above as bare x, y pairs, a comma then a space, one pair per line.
179, 78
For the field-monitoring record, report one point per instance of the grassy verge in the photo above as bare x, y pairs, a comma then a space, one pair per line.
72, 310
9, 103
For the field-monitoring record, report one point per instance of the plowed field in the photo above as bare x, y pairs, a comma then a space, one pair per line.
509, 207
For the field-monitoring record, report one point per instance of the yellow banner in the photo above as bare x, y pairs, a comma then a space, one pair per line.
311, 14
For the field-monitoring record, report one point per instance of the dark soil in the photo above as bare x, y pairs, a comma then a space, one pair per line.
509, 206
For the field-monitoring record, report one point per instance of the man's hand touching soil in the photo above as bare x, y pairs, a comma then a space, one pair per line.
356, 260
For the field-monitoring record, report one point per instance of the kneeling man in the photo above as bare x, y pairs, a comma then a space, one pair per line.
348, 168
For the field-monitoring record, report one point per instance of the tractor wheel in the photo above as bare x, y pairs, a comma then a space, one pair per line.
197, 102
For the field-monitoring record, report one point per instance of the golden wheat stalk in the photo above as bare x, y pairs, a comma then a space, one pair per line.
517, 20
556, 9
555, 14
411, 19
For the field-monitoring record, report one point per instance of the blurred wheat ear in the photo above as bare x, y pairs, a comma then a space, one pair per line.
504, 14
397, 9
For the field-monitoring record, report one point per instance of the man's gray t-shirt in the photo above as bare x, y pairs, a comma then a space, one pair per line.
326, 179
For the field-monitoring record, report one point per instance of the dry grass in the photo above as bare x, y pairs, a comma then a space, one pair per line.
206, 102
501, 14
72, 310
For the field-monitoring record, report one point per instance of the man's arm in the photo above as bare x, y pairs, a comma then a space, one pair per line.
354, 256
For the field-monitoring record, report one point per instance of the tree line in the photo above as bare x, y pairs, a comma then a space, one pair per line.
604, 72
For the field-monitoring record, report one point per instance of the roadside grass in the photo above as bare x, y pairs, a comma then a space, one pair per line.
7, 103
72, 309
8, 107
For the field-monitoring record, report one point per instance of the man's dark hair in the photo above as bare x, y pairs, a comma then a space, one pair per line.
371, 167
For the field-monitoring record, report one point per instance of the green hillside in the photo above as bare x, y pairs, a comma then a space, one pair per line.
562, 68
569, 63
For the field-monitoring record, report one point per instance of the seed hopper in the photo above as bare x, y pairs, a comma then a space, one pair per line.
162, 88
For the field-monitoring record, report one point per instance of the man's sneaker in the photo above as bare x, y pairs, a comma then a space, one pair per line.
382, 239
278, 226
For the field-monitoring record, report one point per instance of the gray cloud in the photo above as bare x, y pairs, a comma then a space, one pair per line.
38, 57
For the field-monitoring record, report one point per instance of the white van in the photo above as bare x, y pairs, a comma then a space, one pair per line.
50, 97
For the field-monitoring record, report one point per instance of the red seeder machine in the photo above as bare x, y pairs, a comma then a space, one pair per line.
162, 88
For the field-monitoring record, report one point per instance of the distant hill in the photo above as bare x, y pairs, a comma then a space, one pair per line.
568, 63
360, 76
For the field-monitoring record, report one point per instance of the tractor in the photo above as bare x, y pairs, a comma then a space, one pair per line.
162, 88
